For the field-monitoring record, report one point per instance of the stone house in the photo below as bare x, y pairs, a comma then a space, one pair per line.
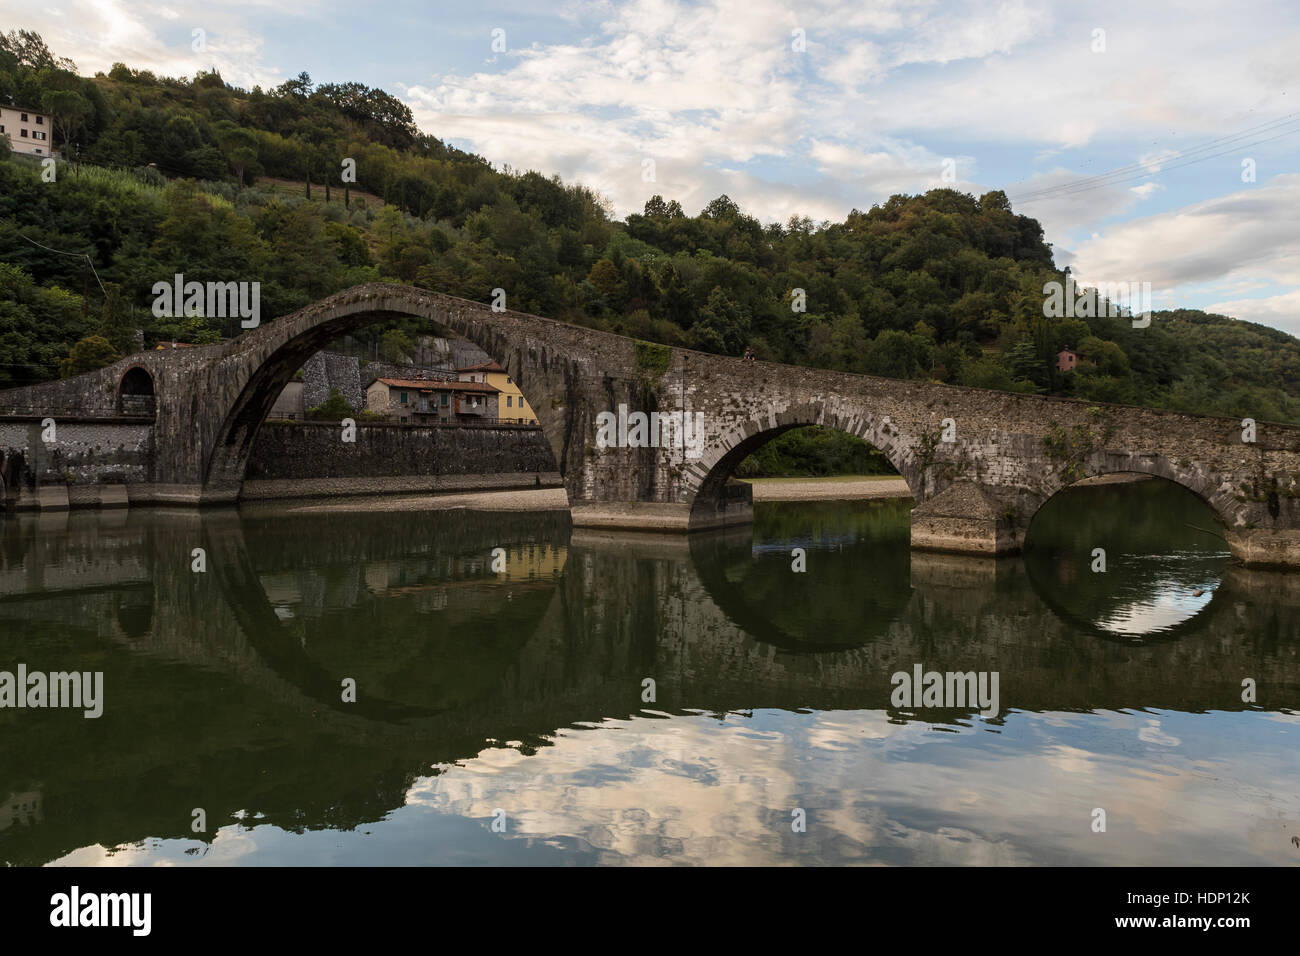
431, 400
511, 404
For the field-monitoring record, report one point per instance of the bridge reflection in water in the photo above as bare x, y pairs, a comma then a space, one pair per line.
521, 689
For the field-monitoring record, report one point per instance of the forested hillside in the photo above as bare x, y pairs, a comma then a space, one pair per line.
942, 286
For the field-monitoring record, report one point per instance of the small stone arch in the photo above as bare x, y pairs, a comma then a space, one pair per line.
135, 392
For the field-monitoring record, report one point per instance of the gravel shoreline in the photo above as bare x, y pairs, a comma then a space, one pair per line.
554, 499
832, 489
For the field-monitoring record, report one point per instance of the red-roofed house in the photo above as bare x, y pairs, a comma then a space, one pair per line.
416, 400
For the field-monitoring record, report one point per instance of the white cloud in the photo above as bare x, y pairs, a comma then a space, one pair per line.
1279, 311
95, 34
1252, 233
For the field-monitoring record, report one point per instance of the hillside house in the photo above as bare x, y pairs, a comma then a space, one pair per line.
28, 130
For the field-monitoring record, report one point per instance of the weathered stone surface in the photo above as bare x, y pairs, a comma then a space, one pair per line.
1017, 450
315, 450
52, 497
282, 488
113, 496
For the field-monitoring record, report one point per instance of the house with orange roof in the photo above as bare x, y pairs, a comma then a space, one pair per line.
432, 400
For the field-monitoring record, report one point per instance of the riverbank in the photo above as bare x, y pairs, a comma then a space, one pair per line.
531, 499
838, 488
844, 488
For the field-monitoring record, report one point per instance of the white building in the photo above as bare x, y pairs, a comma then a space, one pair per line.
28, 131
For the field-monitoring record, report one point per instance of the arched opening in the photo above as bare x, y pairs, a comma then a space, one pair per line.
424, 391
135, 392
831, 446
1127, 556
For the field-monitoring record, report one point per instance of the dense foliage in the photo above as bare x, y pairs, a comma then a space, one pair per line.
814, 452
179, 175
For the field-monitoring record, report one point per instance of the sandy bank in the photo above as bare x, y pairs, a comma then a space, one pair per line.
541, 499
849, 488
554, 499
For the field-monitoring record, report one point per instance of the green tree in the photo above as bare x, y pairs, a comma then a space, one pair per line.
608, 281
897, 354
722, 327
334, 408
395, 346
238, 145
115, 324
92, 352
69, 110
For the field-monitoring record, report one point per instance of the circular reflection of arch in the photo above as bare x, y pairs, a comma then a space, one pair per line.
256, 613
857, 583
1163, 556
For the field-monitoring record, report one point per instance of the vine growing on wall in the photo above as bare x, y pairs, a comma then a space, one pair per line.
1069, 449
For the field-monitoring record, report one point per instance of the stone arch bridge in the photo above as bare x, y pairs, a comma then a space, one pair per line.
979, 463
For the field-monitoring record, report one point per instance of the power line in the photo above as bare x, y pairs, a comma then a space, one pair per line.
75, 255
1211, 144
1212, 149
1070, 189
1135, 168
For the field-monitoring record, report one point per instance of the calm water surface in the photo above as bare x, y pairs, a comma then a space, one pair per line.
518, 695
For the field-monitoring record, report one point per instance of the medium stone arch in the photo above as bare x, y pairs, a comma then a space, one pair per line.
270, 356
708, 479
1222, 503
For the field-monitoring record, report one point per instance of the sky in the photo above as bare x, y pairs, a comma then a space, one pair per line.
1190, 111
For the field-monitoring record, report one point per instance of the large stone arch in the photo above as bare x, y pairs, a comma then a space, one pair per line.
270, 356
707, 479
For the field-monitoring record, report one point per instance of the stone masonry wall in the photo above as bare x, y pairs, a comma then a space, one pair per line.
316, 450
84, 453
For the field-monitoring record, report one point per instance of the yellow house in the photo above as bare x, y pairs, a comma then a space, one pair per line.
512, 405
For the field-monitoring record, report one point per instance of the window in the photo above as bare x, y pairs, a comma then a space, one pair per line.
40, 121
509, 380
444, 399
508, 401
23, 133
24, 120
403, 397
37, 134
2, 129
